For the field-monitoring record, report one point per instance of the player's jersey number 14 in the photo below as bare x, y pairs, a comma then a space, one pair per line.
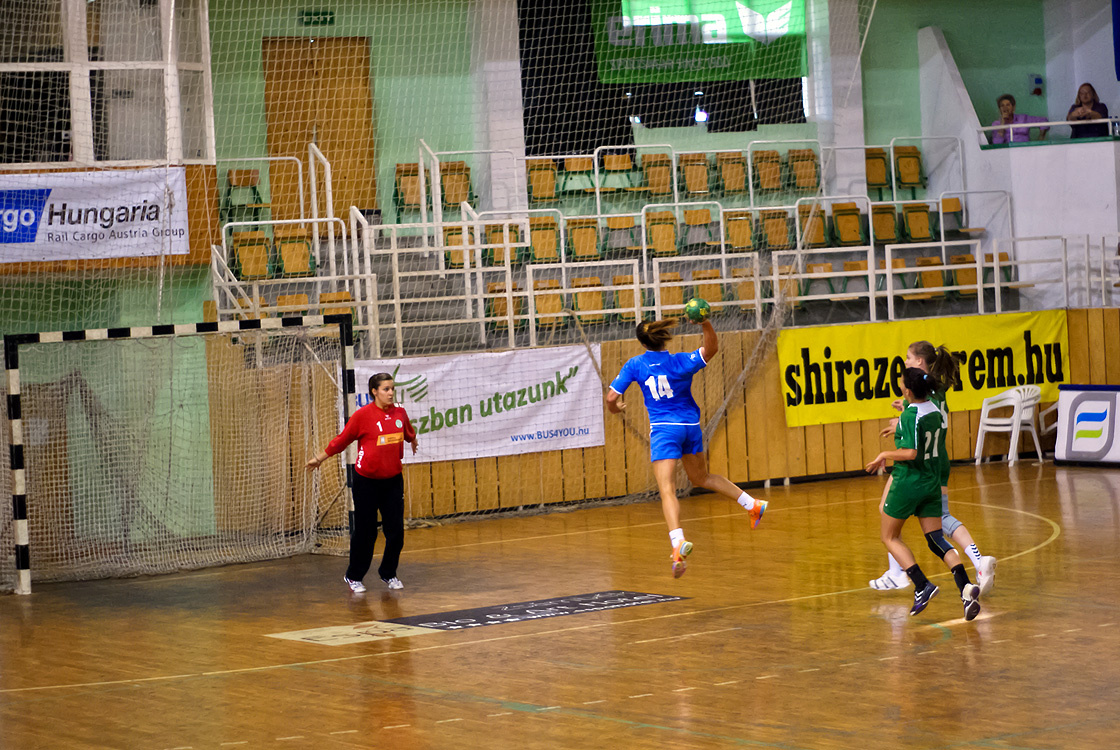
659, 387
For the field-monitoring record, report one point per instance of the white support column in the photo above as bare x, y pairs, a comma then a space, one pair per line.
76, 50
834, 57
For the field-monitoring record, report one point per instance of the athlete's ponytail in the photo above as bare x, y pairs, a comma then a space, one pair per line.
941, 363
656, 334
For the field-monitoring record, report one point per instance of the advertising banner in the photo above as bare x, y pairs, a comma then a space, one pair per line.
680, 41
90, 215
496, 404
847, 373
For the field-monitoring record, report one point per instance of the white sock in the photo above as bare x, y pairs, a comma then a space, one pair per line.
894, 569
974, 554
746, 501
676, 536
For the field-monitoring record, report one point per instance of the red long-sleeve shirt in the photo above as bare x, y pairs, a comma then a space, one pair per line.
381, 435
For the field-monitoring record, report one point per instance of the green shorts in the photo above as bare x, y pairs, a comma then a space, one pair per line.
910, 498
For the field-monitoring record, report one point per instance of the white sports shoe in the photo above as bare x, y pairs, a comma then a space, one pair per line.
970, 597
393, 583
887, 582
356, 586
986, 574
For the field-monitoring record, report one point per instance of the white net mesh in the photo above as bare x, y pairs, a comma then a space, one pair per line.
152, 455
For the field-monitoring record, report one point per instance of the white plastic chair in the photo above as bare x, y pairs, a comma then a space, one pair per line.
1023, 402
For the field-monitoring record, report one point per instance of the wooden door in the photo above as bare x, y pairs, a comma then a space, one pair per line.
319, 90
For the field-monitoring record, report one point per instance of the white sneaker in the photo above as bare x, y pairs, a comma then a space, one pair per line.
970, 597
986, 574
356, 586
887, 582
393, 583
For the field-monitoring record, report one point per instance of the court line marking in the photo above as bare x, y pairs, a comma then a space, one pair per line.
503, 713
681, 637
681, 690
729, 682
640, 695
397, 726
448, 721
346, 731
592, 703
766, 677
1056, 531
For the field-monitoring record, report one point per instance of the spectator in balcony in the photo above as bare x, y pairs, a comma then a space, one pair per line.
1007, 116
1088, 107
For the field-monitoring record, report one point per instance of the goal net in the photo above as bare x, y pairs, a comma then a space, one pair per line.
148, 453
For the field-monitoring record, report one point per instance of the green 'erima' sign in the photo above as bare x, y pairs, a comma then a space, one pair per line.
671, 41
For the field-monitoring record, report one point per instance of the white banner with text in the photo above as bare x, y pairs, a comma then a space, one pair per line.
92, 215
496, 404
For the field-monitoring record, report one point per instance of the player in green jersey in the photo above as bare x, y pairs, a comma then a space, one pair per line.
915, 491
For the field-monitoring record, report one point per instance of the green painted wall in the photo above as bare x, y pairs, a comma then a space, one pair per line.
420, 74
996, 43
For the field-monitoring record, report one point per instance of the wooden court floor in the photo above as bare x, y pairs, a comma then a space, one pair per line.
777, 643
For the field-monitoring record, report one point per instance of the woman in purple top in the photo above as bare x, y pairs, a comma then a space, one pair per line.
1007, 116
1088, 107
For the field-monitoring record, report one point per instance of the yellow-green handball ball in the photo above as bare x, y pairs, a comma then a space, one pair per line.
697, 310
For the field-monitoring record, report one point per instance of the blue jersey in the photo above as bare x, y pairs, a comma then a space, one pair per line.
666, 383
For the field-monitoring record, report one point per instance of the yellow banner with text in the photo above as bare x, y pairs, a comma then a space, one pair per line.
849, 373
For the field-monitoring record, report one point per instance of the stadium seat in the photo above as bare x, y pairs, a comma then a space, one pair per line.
877, 170
456, 251
808, 284
884, 225
617, 171
250, 309
787, 283
694, 174
657, 175
776, 230
739, 227
496, 237
251, 257
708, 287
333, 298
847, 225
851, 266
697, 227
624, 298
916, 224
900, 280
583, 240
732, 167
541, 177
549, 304
580, 170
767, 168
746, 291
811, 220
908, 168
1006, 269
622, 236
952, 208
965, 276
293, 250
406, 188
297, 302
242, 200
661, 234
928, 279
591, 301
544, 239
497, 307
804, 169
455, 183
672, 294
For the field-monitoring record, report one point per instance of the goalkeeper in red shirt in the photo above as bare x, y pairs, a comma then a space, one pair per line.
381, 429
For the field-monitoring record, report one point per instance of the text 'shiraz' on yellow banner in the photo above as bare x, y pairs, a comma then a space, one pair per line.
850, 373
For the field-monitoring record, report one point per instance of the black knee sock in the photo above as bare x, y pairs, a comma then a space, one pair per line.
917, 576
960, 575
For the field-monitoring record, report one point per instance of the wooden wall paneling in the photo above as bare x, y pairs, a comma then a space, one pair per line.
573, 473
1112, 346
532, 479
959, 442
638, 472
814, 450
202, 214
872, 443
509, 481
854, 451
290, 111
486, 480
714, 378
754, 413
1097, 365
614, 455
466, 485
1079, 369
833, 447
344, 122
443, 488
418, 490
736, 419
550, 477
595, 472
778, 447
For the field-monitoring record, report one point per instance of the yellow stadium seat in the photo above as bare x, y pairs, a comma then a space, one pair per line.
592, 300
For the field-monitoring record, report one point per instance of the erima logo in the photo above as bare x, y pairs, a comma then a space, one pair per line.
20, 212
766, 28
666, 30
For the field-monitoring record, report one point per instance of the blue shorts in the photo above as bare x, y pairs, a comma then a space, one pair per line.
674, 441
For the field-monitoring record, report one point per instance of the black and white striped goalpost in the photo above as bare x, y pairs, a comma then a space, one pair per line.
12, 344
